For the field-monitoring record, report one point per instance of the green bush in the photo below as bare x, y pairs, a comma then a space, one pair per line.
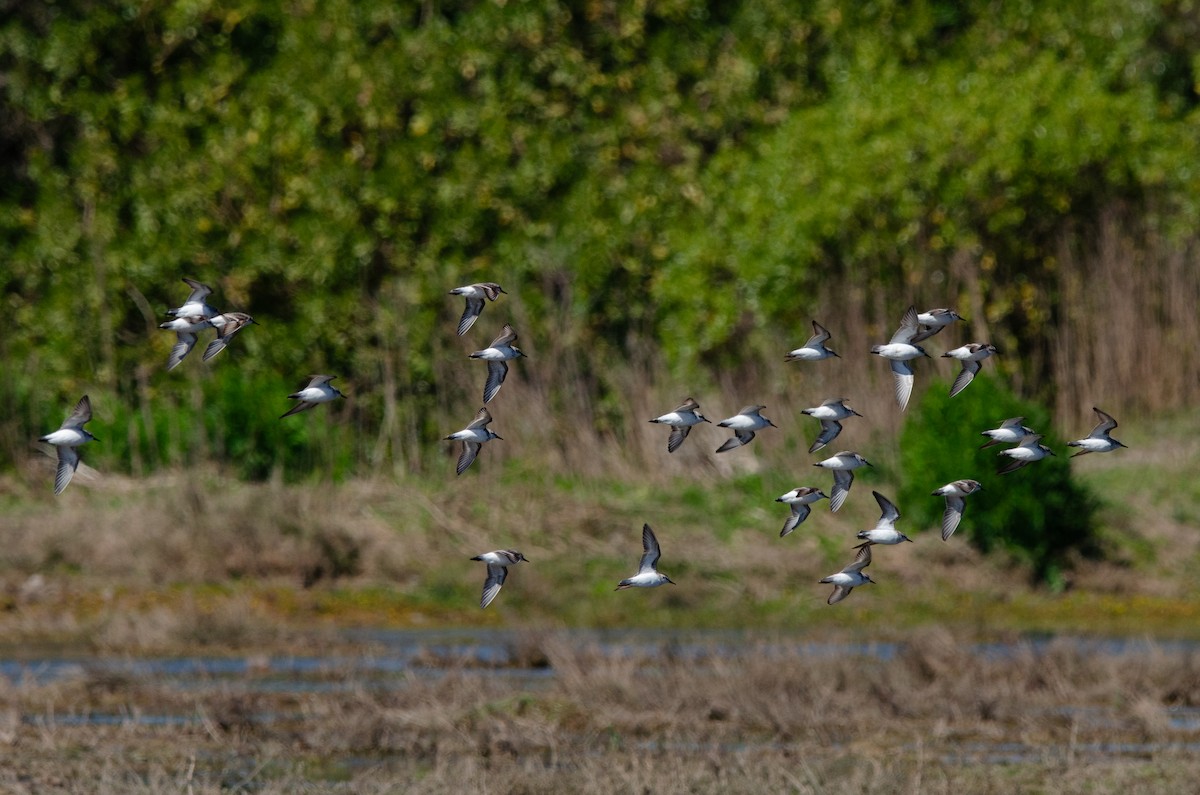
1037, 513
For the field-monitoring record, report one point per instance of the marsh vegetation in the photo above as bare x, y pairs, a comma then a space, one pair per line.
555, 711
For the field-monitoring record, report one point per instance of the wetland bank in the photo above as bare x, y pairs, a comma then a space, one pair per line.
496, 711
326, 638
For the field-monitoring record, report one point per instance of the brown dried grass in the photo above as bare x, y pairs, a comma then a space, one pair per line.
936, 718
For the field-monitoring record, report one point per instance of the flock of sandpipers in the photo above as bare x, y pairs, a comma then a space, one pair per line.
195, 315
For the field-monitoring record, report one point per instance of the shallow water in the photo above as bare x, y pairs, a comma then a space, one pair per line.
393, 659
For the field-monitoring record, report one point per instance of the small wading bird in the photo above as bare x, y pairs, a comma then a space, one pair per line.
934, 321
69, 436
1098, 441
814, 350
188, 320
497, 355
843, 465
1010, 431
743, 424
850, 577
186, 327
829, 413
1029, 450
227, 325
884, 531
971, 355
318, 391
475, 293
899, 351
681, 421
954, 493
195, 303
648, 575
800, 499
497, 569
473, 436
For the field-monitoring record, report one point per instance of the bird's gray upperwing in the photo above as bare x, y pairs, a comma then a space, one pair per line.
470, 315
80, 414
507, 335
491, 586
965, 376
651, 553
678, 434
184, 342
829, 431
908, 327
467, 456
890, 513
799, 513
68, 462
497, 370
952, 516
481, 419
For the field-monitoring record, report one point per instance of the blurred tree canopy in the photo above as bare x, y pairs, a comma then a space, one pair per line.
682, 174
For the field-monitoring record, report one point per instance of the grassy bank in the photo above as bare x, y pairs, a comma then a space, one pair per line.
174, 562
202, 565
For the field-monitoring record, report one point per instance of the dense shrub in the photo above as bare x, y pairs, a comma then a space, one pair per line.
1037, 513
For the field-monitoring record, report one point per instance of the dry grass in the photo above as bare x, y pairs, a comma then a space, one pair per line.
938, 717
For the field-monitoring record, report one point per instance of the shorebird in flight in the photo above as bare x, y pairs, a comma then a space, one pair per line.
69, 436
475, 293
1098, 441
681, 420
648, 575
318, 391
850, 577
900, 350
497, 569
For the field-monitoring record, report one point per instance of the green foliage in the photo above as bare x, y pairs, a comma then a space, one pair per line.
672, 176
987, 144
1037, 513
233, 420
